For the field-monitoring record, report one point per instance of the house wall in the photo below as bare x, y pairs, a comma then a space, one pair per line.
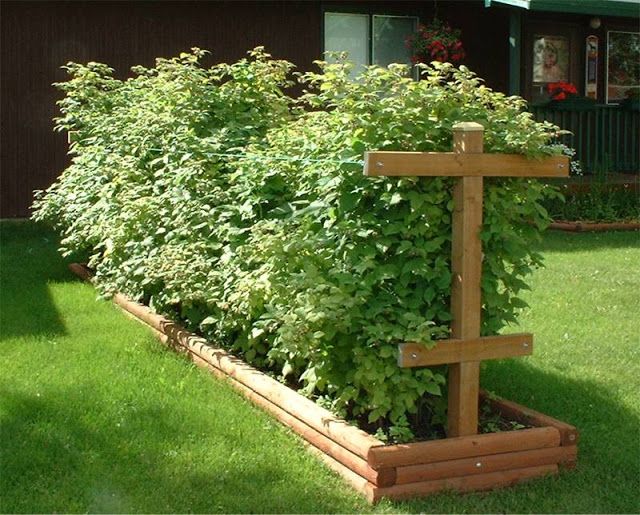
576, 27
39, 37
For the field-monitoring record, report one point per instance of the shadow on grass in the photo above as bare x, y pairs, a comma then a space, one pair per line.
563, 241
29, 260
605, 424
57, 460
605, 480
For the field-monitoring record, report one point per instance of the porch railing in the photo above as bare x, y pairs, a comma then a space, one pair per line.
605, 137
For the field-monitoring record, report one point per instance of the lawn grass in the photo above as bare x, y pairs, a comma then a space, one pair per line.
96, 416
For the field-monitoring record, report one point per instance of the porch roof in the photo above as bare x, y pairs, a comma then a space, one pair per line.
630, 8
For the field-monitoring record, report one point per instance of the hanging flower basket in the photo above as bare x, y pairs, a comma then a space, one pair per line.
436, 41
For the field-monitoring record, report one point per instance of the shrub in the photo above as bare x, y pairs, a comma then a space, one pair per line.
595, 198
220, 201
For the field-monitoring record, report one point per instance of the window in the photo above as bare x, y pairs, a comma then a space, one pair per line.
348, 33
623, 65
369, 39
389, 36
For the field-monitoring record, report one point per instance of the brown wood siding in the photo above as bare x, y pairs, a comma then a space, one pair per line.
485, 34
39, 37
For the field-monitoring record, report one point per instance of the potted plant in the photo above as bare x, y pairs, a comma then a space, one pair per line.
564, 97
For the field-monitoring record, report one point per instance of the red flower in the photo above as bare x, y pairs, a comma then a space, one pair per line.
561, 90
436, 41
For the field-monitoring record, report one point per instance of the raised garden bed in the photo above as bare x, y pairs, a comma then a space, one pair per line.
465, 460
377, 470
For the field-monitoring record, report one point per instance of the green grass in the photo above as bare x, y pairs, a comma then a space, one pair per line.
96, 416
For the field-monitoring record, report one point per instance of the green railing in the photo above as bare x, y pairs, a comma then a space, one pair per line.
605, 137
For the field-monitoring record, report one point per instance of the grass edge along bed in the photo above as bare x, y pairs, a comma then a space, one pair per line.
376, 470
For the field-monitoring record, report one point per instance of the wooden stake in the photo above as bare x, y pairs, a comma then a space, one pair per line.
466, 267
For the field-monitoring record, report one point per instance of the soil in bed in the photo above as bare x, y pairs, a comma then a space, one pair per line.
424, 427
428, 424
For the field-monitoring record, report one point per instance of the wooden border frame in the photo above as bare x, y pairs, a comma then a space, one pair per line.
594, 226
377, 470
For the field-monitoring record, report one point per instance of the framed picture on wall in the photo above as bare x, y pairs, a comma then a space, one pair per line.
623, 65
550, 55
550, 59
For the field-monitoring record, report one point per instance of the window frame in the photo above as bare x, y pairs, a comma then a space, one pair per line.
370, 36
416, 22
607, 100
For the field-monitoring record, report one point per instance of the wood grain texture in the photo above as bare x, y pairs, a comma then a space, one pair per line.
38, 37
466, 270
457, 351
462, 484
569, 434
463, 447
451, 164
485, 464
462, 413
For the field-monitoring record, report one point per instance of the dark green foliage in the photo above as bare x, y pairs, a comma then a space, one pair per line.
218, 200
596, 202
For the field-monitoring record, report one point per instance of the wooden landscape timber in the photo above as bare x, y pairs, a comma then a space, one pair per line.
568, 434
370, 466
464, 461
594, 226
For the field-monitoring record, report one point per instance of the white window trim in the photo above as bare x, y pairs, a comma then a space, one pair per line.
606, 79
370, 36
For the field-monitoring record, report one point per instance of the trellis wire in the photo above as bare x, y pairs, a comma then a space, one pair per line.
260, 157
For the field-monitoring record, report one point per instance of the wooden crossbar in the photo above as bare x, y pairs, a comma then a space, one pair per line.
460, 351
464, 351
451, 164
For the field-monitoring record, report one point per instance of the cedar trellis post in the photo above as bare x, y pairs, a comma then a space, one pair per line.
464, 351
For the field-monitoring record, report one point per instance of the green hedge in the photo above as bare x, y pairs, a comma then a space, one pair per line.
219, 200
